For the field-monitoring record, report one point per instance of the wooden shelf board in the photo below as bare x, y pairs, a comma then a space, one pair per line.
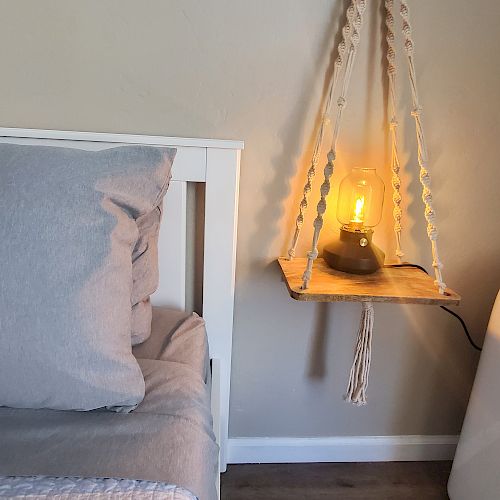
403, 285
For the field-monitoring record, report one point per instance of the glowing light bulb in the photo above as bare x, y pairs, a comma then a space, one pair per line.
361, 195
359, 215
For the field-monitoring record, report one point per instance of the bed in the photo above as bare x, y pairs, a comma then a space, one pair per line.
174, 444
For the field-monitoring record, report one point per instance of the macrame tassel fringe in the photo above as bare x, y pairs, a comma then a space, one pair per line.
358, 378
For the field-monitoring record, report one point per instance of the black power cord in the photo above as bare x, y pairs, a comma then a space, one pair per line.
453, 313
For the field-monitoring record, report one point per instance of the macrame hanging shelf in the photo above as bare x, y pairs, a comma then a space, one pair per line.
310, 278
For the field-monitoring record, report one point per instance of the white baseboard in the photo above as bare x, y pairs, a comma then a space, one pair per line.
341, 449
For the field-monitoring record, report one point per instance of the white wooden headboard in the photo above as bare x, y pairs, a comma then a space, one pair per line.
216, 163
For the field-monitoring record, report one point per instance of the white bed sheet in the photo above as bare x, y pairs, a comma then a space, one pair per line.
75, 488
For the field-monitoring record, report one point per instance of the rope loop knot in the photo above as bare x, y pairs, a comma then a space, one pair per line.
313, 254
437, 264
416, 111
367, 306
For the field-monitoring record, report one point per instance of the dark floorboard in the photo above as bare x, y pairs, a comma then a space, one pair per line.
343, 481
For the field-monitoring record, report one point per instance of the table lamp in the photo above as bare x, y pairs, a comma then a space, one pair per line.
359, 209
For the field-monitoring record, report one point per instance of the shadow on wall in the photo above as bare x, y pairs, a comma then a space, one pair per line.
318, 352
317, 358
277, 191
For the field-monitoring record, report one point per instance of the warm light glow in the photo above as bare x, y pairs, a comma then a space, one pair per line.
360, 199
359, 215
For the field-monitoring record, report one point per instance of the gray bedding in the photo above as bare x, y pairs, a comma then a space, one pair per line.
168, 438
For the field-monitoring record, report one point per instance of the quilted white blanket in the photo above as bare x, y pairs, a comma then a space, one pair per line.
73, 488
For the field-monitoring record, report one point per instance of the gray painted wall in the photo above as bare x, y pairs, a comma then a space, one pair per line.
255, 71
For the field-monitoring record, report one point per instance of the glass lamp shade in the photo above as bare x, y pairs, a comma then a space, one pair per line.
360, 200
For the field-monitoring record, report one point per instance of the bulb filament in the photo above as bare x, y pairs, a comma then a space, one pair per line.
359, 215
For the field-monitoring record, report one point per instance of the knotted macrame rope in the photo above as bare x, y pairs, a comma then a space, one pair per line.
337, 69
355, 21
395, 165
425, 177
360, 370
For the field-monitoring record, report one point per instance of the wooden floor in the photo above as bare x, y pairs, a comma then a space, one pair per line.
342, 481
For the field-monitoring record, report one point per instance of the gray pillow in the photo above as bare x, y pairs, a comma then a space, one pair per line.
145, 274
68, 227
141, 321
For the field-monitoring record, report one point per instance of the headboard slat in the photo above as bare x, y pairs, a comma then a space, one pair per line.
172, 248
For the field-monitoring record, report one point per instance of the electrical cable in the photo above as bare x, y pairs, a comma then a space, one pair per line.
453, 313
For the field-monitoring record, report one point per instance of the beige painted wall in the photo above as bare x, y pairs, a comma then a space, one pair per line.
255, 71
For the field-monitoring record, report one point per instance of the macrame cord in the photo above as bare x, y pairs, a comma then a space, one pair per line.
348, 46
395, 165
337, 69
360, 370
425, 177
355, 20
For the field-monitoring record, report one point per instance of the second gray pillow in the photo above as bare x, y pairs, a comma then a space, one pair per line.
145, 274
